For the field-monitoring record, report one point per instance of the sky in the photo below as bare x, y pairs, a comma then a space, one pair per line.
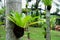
53, 9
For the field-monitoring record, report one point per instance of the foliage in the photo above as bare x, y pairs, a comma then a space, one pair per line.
21, 21
52, 21
47, 2
25, 10
2, 10
1, 23
18, 19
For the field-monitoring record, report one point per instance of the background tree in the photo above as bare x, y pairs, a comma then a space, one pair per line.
48, 7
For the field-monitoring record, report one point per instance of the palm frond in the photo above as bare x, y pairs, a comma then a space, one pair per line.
47, 2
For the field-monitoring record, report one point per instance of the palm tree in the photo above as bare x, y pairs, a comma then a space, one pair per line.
48, 5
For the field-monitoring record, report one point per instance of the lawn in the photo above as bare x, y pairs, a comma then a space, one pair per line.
55, 35
2, 33
35, 34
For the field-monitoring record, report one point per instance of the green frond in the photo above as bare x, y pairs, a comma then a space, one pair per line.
47, 2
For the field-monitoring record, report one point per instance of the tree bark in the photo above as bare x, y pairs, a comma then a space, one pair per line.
48, 37
16, 6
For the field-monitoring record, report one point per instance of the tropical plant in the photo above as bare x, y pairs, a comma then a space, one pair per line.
47, 2
20, 20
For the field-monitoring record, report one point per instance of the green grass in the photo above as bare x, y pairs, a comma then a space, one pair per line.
35, 34
2, 33
55, 35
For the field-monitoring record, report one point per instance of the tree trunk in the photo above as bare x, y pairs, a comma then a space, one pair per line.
48, 37
16, 6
